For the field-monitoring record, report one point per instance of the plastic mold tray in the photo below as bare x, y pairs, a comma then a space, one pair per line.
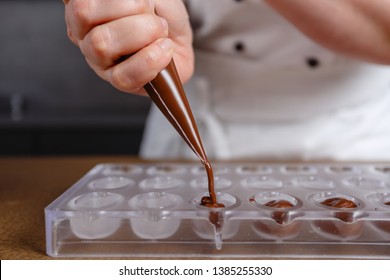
146, 210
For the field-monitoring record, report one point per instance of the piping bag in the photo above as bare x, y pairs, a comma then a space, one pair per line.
167, 93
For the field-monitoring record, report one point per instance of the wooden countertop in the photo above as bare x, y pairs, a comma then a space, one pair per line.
27, 186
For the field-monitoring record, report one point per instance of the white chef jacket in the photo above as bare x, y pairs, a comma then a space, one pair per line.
262, 89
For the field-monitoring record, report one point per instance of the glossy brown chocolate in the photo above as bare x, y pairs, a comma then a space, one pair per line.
347, 226
339, 202
281, 217
279, 204
166, 91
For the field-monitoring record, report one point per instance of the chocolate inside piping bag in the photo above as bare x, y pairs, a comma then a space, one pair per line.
166, 91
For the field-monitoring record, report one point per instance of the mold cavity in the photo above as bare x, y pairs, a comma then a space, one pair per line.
110, 183
343, 224
216, 227
154, 201
206, 229
217, 170
226, 199
312, 182
338, 230
90, 222
153, 222
365, 183
333, 200
299, 169
269, 200
383, 169
344, 206
262, 182
342, 169
380, 199
254, 169
122, 169
219, 183
279, 205
270, 229
161, 183
166, 170
95, 201
94, 226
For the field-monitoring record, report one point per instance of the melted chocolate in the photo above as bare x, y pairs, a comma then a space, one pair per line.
210, 201
349, 227
338, 202
279, 204
281, 217
166, 91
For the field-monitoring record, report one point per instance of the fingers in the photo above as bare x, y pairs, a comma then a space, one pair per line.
127, 42
82, 15
142, 67
106, 43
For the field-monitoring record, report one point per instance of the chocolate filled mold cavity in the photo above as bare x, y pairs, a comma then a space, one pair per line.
344, 225
230, 201
262, 210
207, 229
272, 230
270, 200
279, 224
335, 201
338, 229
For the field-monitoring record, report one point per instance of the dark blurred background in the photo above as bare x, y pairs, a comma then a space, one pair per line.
51, 102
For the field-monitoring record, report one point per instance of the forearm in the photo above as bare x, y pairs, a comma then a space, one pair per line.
358, 28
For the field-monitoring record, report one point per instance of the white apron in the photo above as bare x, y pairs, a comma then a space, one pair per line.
261, 89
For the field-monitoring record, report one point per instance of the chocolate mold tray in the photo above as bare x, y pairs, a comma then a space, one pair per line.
153, 210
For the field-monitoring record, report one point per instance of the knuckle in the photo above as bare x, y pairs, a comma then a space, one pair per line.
99, 41
120, 80
143, 5
155, 26
81, 11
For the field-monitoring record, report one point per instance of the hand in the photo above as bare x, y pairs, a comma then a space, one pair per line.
128, 42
